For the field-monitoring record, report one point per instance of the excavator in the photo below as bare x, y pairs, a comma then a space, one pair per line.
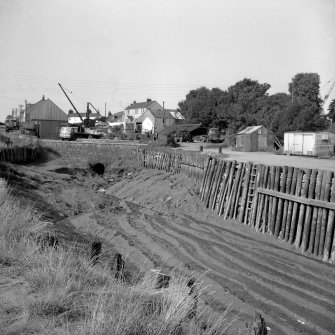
86, 129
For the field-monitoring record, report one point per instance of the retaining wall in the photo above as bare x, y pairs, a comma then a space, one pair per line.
295, 205
93, 151
18, 154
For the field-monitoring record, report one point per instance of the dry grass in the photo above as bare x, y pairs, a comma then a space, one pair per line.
67, 294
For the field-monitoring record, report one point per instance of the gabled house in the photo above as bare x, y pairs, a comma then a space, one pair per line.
136, 109
48, 118
152, 121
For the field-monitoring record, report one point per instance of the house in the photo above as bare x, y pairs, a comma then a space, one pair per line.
74, 119
255, 138
309, 143
119, 119
154, 121
136, 109
48, 118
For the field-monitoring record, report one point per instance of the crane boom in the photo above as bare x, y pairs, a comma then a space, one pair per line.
89, 103
81, 119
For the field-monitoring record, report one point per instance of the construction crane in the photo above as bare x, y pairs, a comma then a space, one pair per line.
83, 131
327, 99
88, 110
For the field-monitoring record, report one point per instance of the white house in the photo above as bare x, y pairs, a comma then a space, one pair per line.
136, 109
154, 121
73, 117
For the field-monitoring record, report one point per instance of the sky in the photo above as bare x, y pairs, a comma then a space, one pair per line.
111, 53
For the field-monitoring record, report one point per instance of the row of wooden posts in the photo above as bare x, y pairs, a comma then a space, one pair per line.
189, 164
295, 205
18, 154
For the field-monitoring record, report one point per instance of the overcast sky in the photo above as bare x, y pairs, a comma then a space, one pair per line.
120, 51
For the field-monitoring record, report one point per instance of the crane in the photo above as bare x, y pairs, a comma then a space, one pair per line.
327, 99
83, 131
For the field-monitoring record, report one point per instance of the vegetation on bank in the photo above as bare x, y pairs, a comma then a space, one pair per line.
65, 293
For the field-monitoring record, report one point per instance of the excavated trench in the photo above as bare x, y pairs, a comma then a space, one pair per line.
157, 220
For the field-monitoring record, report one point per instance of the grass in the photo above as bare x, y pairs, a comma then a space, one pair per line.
67, 294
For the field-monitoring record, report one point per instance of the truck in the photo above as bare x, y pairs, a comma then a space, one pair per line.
11, 123
71, 133
215, 135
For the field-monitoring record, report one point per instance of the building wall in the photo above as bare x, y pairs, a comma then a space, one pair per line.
49, 129
147, 125
161, 123
259, 140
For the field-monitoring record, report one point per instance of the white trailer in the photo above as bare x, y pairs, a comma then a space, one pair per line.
309, 143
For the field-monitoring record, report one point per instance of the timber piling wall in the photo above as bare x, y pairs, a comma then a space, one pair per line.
18, 154
294, 205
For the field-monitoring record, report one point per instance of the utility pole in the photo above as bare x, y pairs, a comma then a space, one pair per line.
105, 108
163, 105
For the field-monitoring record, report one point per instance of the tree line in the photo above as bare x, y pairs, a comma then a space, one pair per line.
248, 103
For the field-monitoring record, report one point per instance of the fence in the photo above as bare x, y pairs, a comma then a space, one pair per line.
189, 164
295, 205
18, 154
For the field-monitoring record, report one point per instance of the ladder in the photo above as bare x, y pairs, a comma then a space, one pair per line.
251, 194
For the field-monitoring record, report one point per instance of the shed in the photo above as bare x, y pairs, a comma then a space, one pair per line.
184, 130
309, 143
48, 117
255, 138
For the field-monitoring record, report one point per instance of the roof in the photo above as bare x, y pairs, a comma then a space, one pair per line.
249, 130
181, 127
163, 114
158, 114
146, 104
45, 110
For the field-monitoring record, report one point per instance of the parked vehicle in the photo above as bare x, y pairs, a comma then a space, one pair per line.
11, 123
215, 135
72, 133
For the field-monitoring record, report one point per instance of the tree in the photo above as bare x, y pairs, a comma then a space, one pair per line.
241, 104
200, 105
306, 86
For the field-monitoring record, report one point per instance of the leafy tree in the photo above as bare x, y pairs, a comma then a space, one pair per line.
306, 86
200, 105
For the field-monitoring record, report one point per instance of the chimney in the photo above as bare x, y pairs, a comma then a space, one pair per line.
43, 97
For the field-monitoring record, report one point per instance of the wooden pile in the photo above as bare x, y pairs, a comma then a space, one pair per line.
161, 161
18, 154
295, 205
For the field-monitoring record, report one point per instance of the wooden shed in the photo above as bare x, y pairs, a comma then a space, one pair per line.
255, 138
48, 118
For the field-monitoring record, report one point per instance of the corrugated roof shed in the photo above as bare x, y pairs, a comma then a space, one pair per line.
45, 110
249, 130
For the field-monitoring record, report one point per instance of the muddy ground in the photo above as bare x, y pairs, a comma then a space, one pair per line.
156, 220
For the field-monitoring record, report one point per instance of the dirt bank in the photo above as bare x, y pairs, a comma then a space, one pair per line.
157, 220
